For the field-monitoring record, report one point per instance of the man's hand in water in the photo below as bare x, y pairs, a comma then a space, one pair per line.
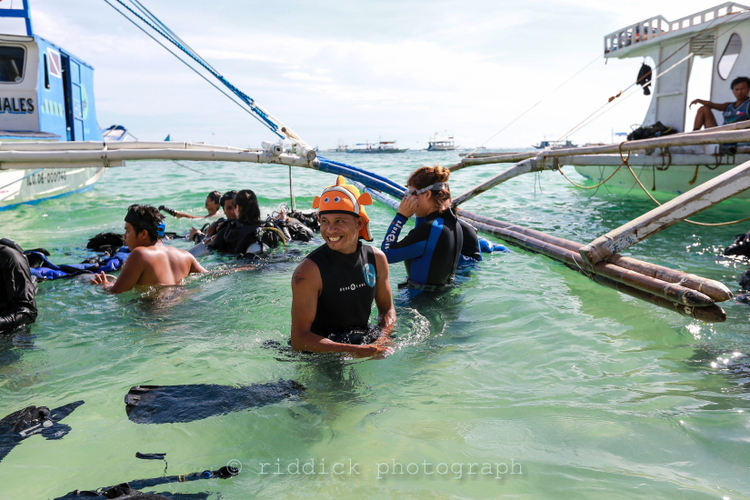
103, 279
377, 350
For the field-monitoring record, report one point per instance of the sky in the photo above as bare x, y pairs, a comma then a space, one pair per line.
498, 73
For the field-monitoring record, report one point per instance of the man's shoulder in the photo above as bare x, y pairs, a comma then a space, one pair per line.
307, 273
377, 251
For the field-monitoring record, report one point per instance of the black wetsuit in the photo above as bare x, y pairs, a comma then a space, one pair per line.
348, 291
470, 249
17, 288
429, 251
236, 236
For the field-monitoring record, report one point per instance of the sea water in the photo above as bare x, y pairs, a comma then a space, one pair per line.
527, 381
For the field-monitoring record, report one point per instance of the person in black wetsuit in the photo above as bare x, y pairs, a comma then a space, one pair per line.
432, 250
227, 205
240, 235
334, 287
17, 288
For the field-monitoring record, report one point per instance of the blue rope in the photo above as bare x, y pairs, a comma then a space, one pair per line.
369, 179
395, 184
166, 33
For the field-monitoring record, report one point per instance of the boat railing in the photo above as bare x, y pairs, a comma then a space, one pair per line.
659, 26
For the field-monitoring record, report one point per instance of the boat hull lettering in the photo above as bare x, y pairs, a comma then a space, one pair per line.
20, 105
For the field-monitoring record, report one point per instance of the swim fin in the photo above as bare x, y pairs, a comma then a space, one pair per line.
21, 424
132, 489
165, 404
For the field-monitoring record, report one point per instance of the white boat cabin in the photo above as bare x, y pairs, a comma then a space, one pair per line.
721, 32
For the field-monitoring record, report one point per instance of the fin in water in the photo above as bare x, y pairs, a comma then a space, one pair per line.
32, 420
132, 489
168, 404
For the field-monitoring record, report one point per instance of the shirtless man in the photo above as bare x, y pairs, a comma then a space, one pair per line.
334, 287
733, 111
150, 262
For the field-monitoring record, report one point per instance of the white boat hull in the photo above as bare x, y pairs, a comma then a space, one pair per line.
676, 179
27, 186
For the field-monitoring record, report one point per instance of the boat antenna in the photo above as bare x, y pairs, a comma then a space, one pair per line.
141, 17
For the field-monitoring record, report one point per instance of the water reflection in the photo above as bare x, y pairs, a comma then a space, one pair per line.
14, 343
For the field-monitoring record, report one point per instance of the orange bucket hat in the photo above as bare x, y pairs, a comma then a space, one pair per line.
345, 198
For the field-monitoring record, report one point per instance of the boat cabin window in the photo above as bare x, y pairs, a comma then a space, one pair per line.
730, 55
11, 63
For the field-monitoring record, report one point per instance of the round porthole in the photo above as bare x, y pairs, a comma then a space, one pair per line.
729, 57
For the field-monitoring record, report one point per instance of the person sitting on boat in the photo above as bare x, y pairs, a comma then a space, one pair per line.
432, 250
334, 287
227, 206
151, 262
17, 288
733, 111
212, 205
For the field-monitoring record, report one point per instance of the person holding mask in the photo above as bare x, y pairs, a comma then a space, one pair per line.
431, 251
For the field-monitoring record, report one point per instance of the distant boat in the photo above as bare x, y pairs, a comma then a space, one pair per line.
555, 145
377, 148
438, 143
341, 147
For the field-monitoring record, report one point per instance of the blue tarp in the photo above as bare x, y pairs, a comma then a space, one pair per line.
52, 271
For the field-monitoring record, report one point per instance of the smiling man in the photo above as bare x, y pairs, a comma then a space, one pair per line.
151, 262
334, 287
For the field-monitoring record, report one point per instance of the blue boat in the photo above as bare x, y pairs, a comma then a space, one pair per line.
46, 94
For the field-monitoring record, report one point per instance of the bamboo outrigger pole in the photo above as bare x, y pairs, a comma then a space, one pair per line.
715, 290
674, 294
700, 198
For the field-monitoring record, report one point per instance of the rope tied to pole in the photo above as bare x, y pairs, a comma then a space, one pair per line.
624, 164
695, 223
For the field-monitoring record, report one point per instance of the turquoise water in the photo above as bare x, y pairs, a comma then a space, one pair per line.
528, 381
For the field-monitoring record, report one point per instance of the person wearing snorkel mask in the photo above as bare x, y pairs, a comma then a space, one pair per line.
334, 288
432, 250
150, 262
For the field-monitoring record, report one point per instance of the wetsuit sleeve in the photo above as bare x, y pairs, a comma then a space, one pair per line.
18, 292
412, 246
